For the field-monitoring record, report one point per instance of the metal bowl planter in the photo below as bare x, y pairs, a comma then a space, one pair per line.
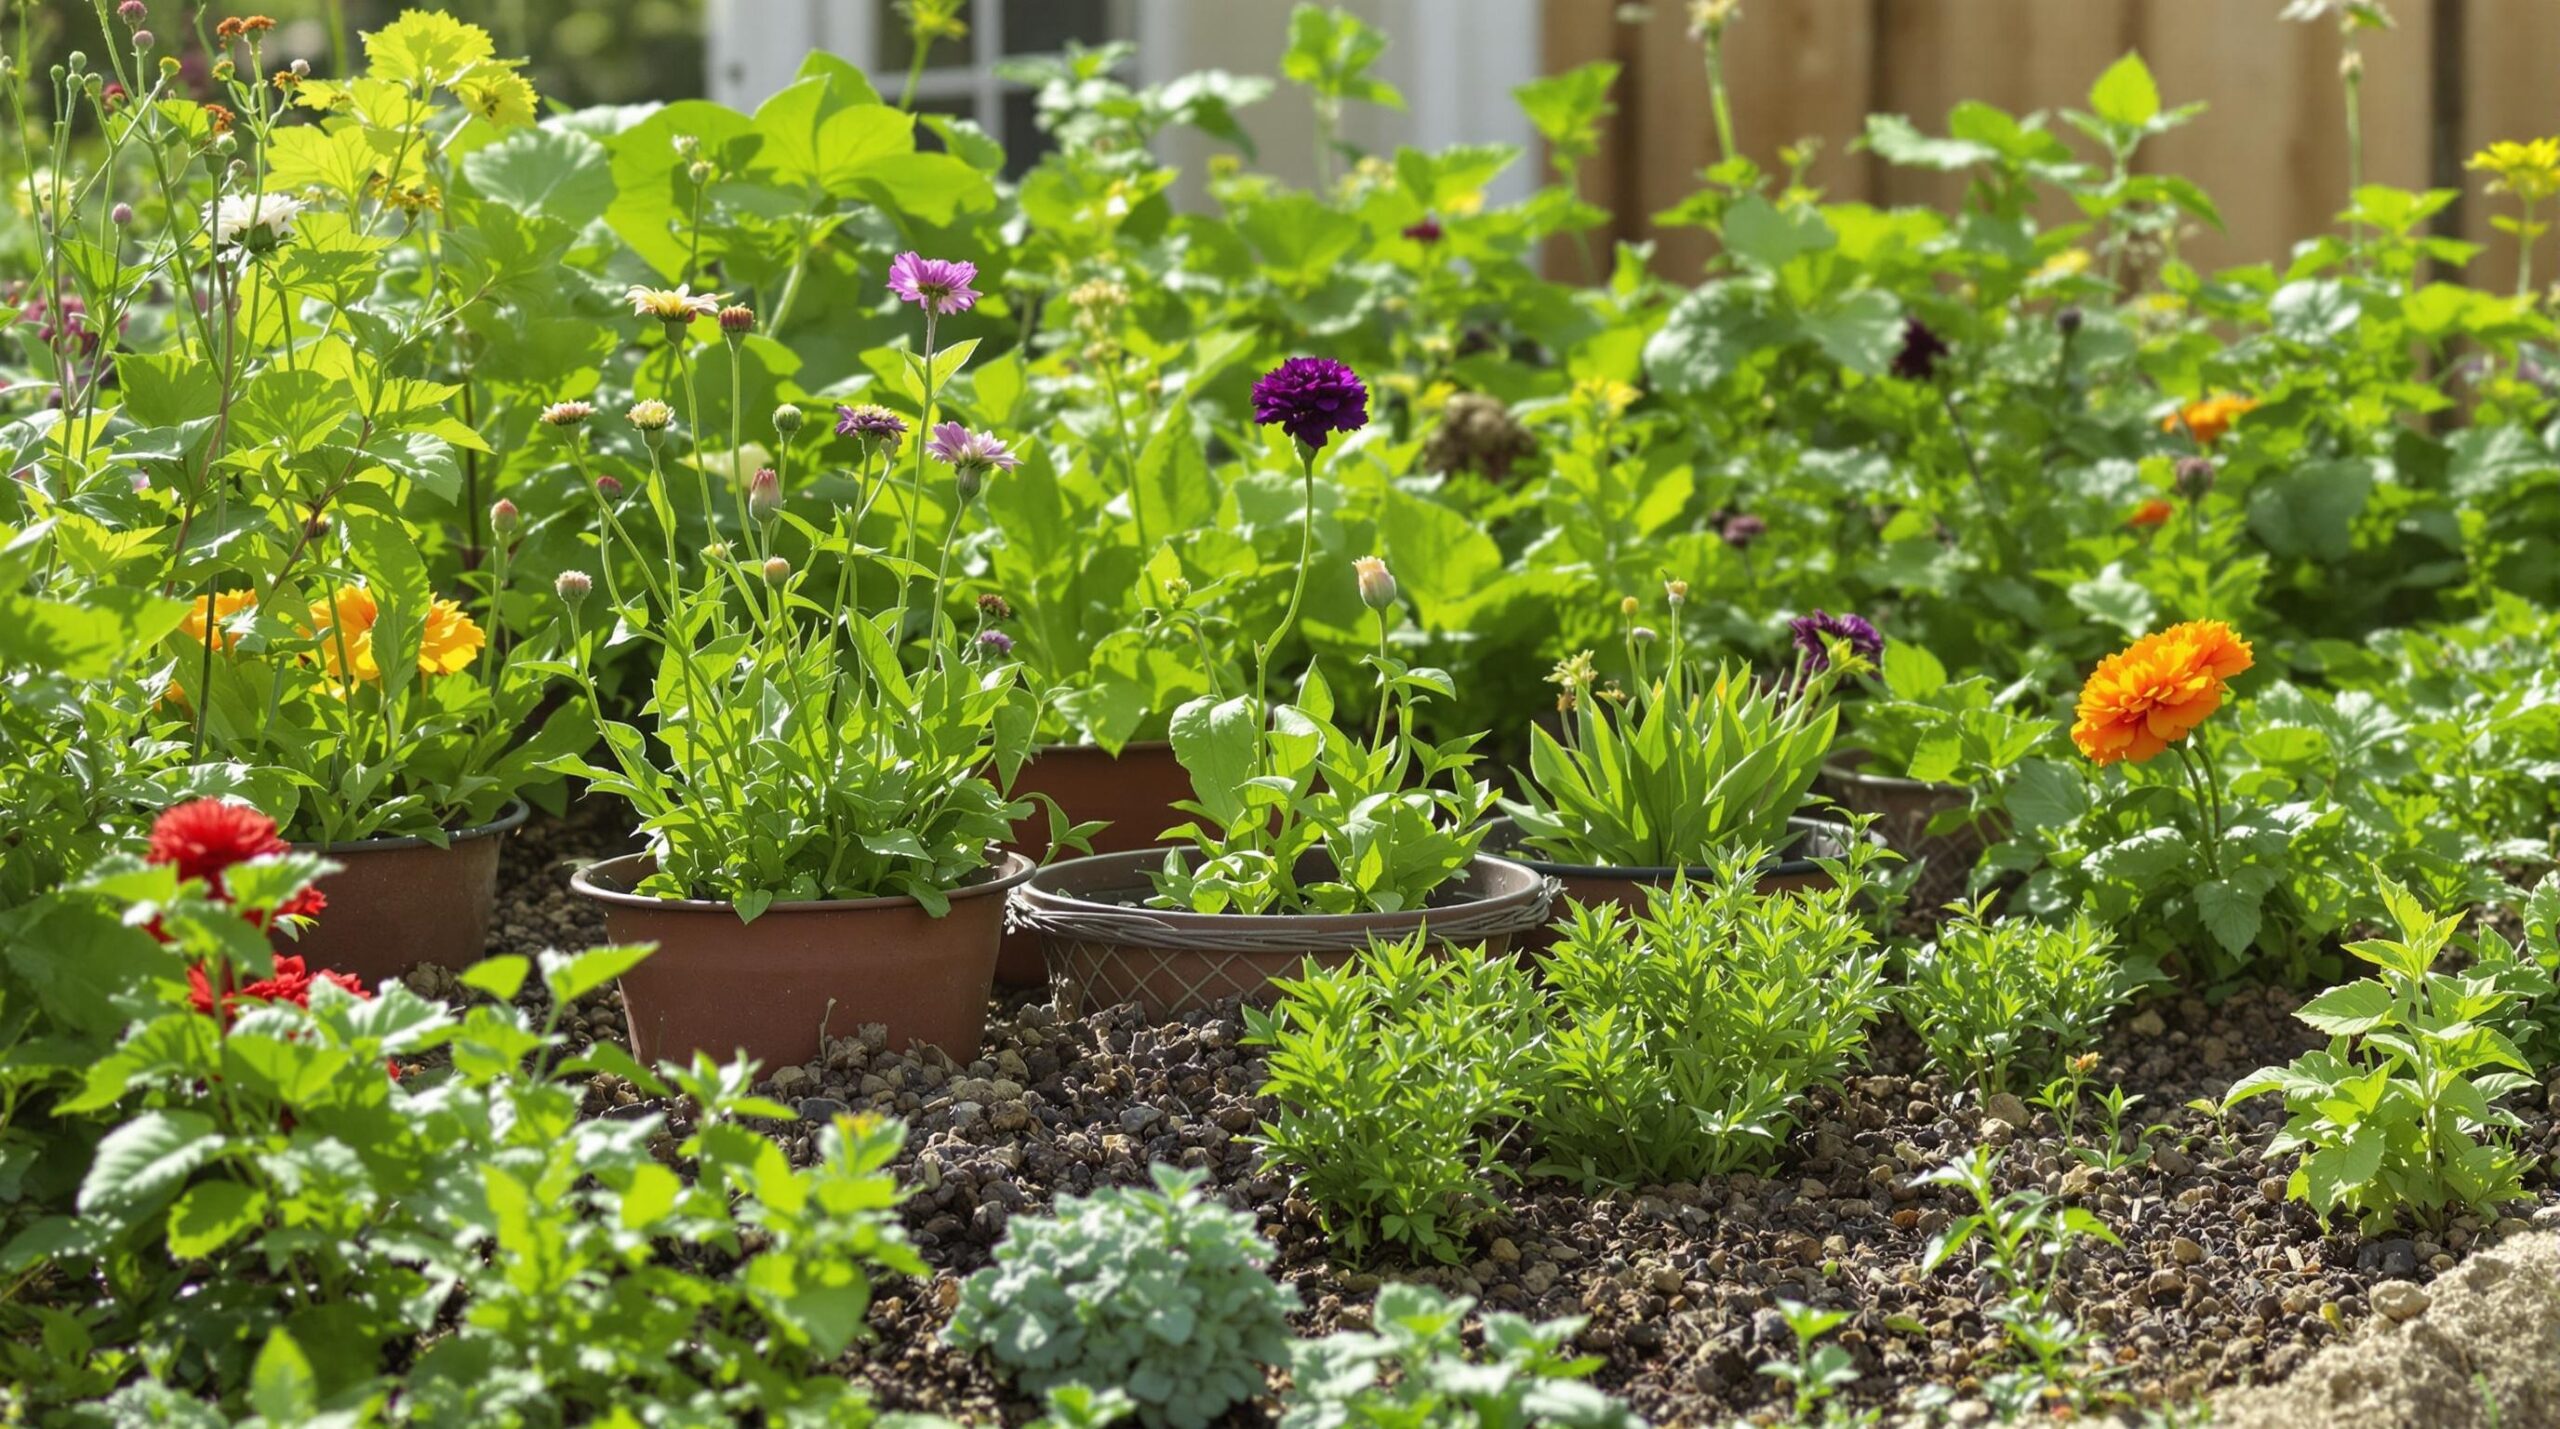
1903, 810
396, 903
1790, 869
1104, 946
1133, 791
774, 988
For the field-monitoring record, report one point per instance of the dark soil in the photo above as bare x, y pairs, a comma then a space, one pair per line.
2219, 1281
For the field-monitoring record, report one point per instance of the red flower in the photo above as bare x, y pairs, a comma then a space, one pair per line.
291, 982
209, 835
206, 836
2150, 514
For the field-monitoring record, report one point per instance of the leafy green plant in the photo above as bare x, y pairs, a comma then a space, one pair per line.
1413, 1367
1683, 765
1819, 1370
2024, 1241
1393, 1073
2398, 1116
1680, 1041
1158, 1293
1922, 725
2527, 972
462, 1246
1999, 999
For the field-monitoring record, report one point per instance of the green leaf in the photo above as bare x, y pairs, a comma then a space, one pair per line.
148, 1156
1764, 236
650, 1197
281, 1386
500, 977
2126, 94
2330, 1173
554, 173
212, 1212
2348, 1009
2309, 511
573, 977
2230, 913
1174, 490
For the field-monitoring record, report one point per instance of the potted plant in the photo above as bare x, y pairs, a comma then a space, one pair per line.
1928, 756
378, 724
823, 804
1305, 840
1664, 778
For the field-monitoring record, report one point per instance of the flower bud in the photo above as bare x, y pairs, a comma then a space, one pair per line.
573, 587
609, 489
2069, 320
566, 414
1177, 591
764, 495
994, 607
651, 416
121, 215
1377, 583
301, 69
1643, 635
737, 320
699, 171
1677, 592
776, 570
787, 419
141, 484
133, 13
144, 39
966, 482
1743, 529
1628, 606
2195, 476
504, 518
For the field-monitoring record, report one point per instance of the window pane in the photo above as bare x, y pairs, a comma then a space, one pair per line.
1023, 141
1043, 27
896, 53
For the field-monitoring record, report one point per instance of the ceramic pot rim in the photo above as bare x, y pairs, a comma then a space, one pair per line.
514, 814
1506, 897
999, 877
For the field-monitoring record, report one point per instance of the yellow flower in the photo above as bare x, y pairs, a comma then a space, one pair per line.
2529, 169
225, 605
345, 638
673, 306
1607, 394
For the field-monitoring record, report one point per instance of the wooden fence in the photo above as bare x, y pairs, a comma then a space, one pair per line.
2270, 147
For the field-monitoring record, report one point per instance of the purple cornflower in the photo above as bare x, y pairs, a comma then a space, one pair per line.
937, 285
1311, 397
996, 643
1812, 630
963, 450
1921, 350
1741, 530
872, 424
1427, 231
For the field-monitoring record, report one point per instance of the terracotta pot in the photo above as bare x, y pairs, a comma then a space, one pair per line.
1133, 791
1791, 869
1104, 946
1903, 809
776, 987
397, 903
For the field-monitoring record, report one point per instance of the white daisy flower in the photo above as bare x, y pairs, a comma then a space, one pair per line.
255, 220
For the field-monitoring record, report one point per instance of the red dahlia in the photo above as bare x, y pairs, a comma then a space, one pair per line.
206, 836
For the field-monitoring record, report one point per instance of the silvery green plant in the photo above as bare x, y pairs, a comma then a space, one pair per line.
1159, 1293
1414, 1368
1992, 997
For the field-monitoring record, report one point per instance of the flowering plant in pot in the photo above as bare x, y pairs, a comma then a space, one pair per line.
1305, 839
823, 799
1688, 763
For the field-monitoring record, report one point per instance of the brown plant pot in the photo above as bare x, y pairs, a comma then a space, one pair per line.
396, 903
775, 988
1789, 870
1903, 810
1133, 792
1105, 947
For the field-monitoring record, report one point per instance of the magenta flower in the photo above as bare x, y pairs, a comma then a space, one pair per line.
872, 424
1810, 632
1427, 231
995, 642
1310, 398
937, 285
957, 447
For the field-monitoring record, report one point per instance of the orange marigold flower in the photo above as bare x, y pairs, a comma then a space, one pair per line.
257, 24
230, 29
220, 607
345, 639
221, 116
2144, 698
2154, 512
2209, 419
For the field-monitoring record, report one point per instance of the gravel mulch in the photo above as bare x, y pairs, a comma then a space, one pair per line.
2219, 1282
